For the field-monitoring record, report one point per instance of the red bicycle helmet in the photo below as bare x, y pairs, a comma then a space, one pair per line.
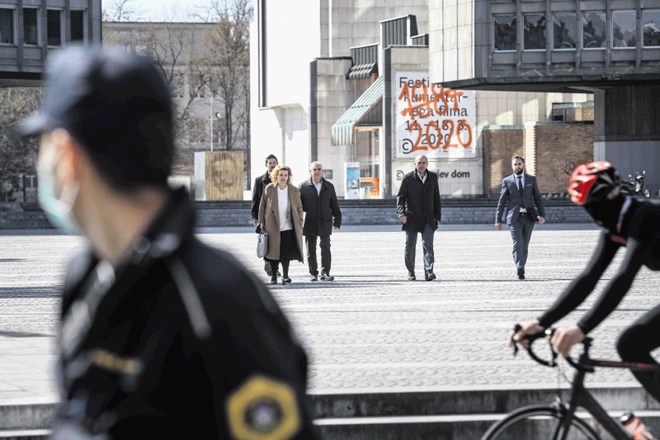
592, 182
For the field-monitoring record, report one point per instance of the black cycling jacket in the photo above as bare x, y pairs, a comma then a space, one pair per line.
640, 234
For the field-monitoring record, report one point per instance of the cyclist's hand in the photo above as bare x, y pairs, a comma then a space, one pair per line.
522, 329
564, 339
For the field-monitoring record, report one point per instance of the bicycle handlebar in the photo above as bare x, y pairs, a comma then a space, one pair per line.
531, 339
584, 363
547, 334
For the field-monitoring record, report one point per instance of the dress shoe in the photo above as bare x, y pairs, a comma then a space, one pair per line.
286, 280
314, 278
273, 280
327, 277
521, 274
429, 276
411, 276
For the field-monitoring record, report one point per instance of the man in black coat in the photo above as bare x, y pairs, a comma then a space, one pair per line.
319, 201
160, 333
418, 208
257, 191
259, 184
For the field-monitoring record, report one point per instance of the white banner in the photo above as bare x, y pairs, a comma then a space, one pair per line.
433, 120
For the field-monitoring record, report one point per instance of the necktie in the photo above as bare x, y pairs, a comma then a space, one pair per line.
520, 188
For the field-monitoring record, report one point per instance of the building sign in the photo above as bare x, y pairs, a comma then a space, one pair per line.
434, 120
352, 172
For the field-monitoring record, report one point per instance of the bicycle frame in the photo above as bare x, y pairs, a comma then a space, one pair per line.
579, 396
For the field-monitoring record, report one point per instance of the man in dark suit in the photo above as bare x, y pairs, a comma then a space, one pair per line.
519, 194
257, 191
418, 208
319, 201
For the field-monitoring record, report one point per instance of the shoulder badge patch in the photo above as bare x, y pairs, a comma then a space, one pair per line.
263, 409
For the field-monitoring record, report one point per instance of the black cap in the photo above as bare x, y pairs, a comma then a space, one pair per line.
117, 105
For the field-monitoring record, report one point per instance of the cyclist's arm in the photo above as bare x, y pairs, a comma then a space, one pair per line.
616, 289
581, 287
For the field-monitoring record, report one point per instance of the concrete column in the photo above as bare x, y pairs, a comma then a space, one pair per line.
627, 130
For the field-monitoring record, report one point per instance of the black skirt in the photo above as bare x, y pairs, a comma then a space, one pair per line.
288, 246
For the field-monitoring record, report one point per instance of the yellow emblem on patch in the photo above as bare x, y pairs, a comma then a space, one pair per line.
263, 409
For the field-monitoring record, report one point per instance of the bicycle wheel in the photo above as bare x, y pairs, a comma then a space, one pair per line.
538, 422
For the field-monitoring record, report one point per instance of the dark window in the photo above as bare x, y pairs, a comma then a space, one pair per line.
652, 28
594, 35
505, 32
624, 29
7, 26
77, 25
30, 26
534, 25
565, 31
54, 26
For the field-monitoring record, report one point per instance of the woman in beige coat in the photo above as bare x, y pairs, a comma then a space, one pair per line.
281, 216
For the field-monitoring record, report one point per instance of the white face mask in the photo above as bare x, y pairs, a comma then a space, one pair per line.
58, 211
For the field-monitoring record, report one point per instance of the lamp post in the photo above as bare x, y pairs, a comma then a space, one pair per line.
214, 116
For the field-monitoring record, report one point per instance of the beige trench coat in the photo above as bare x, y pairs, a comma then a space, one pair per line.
269, 219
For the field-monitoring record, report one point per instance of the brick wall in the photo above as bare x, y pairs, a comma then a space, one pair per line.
551, 151
500, 144
560, 147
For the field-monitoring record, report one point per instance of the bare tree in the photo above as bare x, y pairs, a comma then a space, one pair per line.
17, 156
227, 53
121, 10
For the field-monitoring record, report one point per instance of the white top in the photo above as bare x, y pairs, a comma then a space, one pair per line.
318, 187
283, 205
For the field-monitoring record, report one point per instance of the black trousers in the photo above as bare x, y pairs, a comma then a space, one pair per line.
636, 343
326, 257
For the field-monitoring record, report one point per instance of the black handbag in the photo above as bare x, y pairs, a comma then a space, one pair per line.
533, 214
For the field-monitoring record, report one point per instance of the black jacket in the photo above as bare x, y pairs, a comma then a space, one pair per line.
257, 191
321, 209
418, 201
182, 336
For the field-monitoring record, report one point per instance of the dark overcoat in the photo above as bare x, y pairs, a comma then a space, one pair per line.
322, 210
257, 191
172, 338
418, 201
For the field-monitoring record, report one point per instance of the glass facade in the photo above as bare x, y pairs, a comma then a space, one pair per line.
565, 31
505, 32
30, 26
6, 26
624, 29
594, 31
54, 26
534, 31
77, 25
652, 28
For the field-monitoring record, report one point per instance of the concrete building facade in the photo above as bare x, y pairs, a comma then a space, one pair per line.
29, 29
610, 48
350, 86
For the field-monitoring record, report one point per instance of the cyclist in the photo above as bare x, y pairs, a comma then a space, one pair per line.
630, 222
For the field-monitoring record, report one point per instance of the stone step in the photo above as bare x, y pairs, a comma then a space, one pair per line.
455, 414
465, 401
456, 427
25, 434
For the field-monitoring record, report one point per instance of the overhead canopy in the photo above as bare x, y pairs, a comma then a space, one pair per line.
359, 114
359, 71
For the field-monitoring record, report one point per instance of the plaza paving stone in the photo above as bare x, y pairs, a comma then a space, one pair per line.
370, 329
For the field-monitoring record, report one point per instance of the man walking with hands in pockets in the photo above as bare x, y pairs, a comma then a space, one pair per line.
418, 208
322, 213
519, 194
